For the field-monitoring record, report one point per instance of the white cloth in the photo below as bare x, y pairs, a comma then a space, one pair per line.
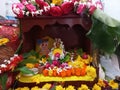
110, 63
101, 72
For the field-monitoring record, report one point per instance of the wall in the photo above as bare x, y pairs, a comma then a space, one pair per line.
5, 8
2, 8
112, 8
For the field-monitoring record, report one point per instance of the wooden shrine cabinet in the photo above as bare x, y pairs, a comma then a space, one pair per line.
71, 29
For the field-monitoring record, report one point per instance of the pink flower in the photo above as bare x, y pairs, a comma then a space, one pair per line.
19, 5
67, 7
31, 7
41, 3
24, 2
18, 9
75, 0
92, 9
81, 8
56, 11
21, 14
99, 5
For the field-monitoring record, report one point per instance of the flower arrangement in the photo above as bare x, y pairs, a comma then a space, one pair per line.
54, 7
100, 85
72, 65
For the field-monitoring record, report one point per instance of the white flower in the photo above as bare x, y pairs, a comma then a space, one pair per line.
3, 65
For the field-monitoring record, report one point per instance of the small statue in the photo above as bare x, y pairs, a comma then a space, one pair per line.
57, 52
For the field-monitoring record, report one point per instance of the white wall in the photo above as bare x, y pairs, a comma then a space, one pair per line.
4, 8
112, 8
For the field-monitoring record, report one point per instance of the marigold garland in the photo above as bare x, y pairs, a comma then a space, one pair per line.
97, 86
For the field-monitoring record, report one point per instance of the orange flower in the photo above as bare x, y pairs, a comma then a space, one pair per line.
54, 73
83, 72
77, 71
45, 72
63, 73
36, 65
68, 72
73, 71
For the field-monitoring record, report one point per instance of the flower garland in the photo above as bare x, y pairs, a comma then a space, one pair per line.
11, 63
100, 85
54, 7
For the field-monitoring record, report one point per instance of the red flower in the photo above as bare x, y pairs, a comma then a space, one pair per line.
31, 7
81, 8
46, 10
56, 11
67, 7
41, 3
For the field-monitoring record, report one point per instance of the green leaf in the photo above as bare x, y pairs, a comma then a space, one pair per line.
25, 70
66, 58
80, 51
49, 60
104, 18
3, 80
103, 36
25, 61
31, 53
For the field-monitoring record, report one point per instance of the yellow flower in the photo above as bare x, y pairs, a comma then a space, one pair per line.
57, 50
96, 87
76, 63
35, 88
88, 60
24, 88
44, 60
70, 87
101, 83
78, 58
57, 2
30, 65
83, 87
46, 86
50, 73
3, 41
113, 84
59, 87
36, 79
91, 71
18, 88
